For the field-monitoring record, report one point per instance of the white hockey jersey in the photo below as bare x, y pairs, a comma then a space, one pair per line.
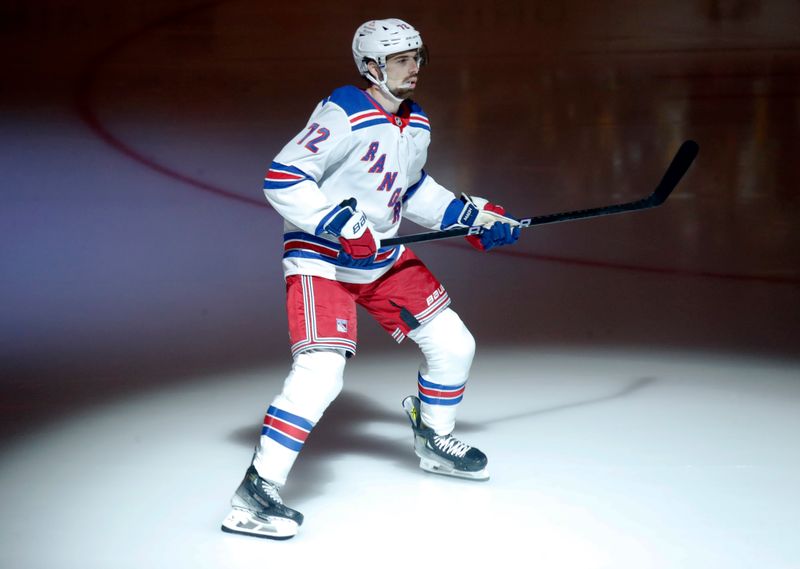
351, 147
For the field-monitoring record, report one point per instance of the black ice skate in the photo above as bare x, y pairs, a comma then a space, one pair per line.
443, 454
259, 511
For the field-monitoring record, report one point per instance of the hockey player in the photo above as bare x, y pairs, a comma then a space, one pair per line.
341, 185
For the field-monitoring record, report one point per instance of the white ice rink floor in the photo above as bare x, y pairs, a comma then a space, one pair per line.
607, 459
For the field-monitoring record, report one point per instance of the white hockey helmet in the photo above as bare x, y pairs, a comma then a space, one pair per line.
377, 39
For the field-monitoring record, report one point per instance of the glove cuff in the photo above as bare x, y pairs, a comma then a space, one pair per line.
334, 221
462, 212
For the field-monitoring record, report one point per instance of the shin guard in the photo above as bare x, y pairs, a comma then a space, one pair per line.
313, 383
448, 348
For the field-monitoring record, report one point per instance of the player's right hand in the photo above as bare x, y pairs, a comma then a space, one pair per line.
356, 238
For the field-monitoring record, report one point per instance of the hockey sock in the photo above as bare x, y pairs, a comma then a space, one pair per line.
448, 348
313, 383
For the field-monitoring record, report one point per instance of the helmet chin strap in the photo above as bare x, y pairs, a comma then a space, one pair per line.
384, 88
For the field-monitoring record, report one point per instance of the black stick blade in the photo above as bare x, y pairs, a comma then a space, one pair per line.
680, 164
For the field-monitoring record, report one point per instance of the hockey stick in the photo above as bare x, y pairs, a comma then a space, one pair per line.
677, 168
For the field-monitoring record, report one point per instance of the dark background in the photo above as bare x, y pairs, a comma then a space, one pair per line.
137, 249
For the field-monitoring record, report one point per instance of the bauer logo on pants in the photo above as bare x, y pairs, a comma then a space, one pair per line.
341, 325
435, 296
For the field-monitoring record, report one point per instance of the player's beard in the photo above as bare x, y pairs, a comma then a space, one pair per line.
402, 92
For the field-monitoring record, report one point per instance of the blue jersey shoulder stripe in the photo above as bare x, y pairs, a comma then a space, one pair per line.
423, 126
351, 99
415, 109
374, 122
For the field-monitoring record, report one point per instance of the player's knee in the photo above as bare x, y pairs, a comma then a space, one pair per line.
458, 338
448, 347
461, 346
466, 339
315, 381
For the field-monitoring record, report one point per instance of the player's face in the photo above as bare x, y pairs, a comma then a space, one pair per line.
401, 73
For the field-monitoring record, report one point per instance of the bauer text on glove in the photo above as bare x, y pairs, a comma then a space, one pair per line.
488, 213
470, 211
498, 228
356, 238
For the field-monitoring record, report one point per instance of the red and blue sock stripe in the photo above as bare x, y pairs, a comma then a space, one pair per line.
438, 394
286, 428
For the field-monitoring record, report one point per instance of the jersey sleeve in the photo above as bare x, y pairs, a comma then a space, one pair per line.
426, 202
291, 185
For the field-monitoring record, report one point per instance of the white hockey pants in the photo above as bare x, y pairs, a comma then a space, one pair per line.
316, 379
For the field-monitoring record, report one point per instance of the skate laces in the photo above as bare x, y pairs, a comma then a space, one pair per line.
271, 491
451, 445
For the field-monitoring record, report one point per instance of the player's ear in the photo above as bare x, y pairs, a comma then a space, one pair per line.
374, 70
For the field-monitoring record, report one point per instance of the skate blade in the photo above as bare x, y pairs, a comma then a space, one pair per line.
438, 468
246, 523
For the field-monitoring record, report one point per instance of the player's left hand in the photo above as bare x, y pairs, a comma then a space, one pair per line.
497, 235
499, 227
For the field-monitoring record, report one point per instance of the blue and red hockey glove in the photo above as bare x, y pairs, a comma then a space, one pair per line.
499, 228
351, 227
